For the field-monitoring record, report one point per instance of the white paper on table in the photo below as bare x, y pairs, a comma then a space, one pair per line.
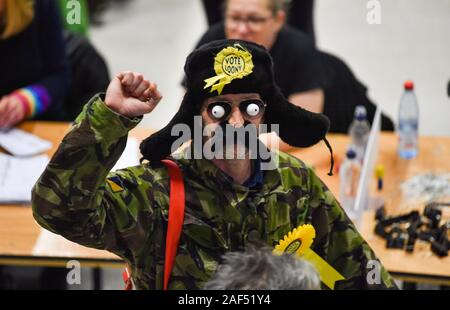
130, 156
49, 242
18, 176
21, 143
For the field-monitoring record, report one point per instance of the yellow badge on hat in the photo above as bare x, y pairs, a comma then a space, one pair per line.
299, 242
233, 62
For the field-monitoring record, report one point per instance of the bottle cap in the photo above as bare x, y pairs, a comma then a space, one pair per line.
409, 85
351, 153
379, 171
360, 112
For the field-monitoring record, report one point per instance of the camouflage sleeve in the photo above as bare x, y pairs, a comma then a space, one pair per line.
341, 245
77, 197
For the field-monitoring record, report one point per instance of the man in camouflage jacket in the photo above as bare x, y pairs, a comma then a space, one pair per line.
126, 211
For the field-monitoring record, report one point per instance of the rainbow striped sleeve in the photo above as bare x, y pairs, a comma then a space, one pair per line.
35, 99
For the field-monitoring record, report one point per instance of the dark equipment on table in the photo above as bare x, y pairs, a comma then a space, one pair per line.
402, 232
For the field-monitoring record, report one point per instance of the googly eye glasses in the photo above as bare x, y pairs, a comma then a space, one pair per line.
250, 109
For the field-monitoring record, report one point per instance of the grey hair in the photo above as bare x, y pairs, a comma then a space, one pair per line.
273, 5
278, 5
261, 270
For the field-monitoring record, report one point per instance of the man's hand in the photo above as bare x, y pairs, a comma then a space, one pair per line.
131, 95
11, 111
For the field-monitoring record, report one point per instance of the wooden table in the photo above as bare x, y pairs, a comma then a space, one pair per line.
434, 156
19, 232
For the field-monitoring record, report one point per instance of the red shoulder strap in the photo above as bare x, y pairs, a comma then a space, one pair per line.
175, 225
176, 217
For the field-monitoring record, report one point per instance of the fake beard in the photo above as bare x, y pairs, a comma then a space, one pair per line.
227, 142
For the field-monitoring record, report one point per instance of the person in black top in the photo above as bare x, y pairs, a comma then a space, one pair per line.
300, 14
35, 75
314, 80
213, 10
297, 65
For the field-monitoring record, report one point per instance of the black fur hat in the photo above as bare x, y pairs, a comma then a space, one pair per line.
297, 127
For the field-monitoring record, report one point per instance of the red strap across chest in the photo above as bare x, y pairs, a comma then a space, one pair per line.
175, 223
176, 217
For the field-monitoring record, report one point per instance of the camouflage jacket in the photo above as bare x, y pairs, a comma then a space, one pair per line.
125, 212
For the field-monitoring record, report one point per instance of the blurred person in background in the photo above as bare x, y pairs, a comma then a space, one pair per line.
298, 70
297, 65
300, 14
259, 269
312, 79
35, 75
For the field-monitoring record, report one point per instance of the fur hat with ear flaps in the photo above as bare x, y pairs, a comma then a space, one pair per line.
232, 67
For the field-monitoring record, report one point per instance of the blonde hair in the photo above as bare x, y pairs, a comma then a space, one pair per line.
18, 14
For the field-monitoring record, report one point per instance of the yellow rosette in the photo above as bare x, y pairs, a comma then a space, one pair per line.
298, 242
233, 62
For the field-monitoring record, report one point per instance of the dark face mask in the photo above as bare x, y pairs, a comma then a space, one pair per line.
227, 135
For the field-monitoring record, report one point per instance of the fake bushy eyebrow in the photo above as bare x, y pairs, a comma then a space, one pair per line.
219, 99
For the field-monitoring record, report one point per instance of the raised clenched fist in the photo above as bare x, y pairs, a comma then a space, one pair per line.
131, 95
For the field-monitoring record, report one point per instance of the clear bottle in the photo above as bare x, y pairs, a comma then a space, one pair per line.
408, 123
349, 174
359, 132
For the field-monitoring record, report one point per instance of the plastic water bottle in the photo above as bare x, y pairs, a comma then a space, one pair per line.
408, 123
359, 132
349, 174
